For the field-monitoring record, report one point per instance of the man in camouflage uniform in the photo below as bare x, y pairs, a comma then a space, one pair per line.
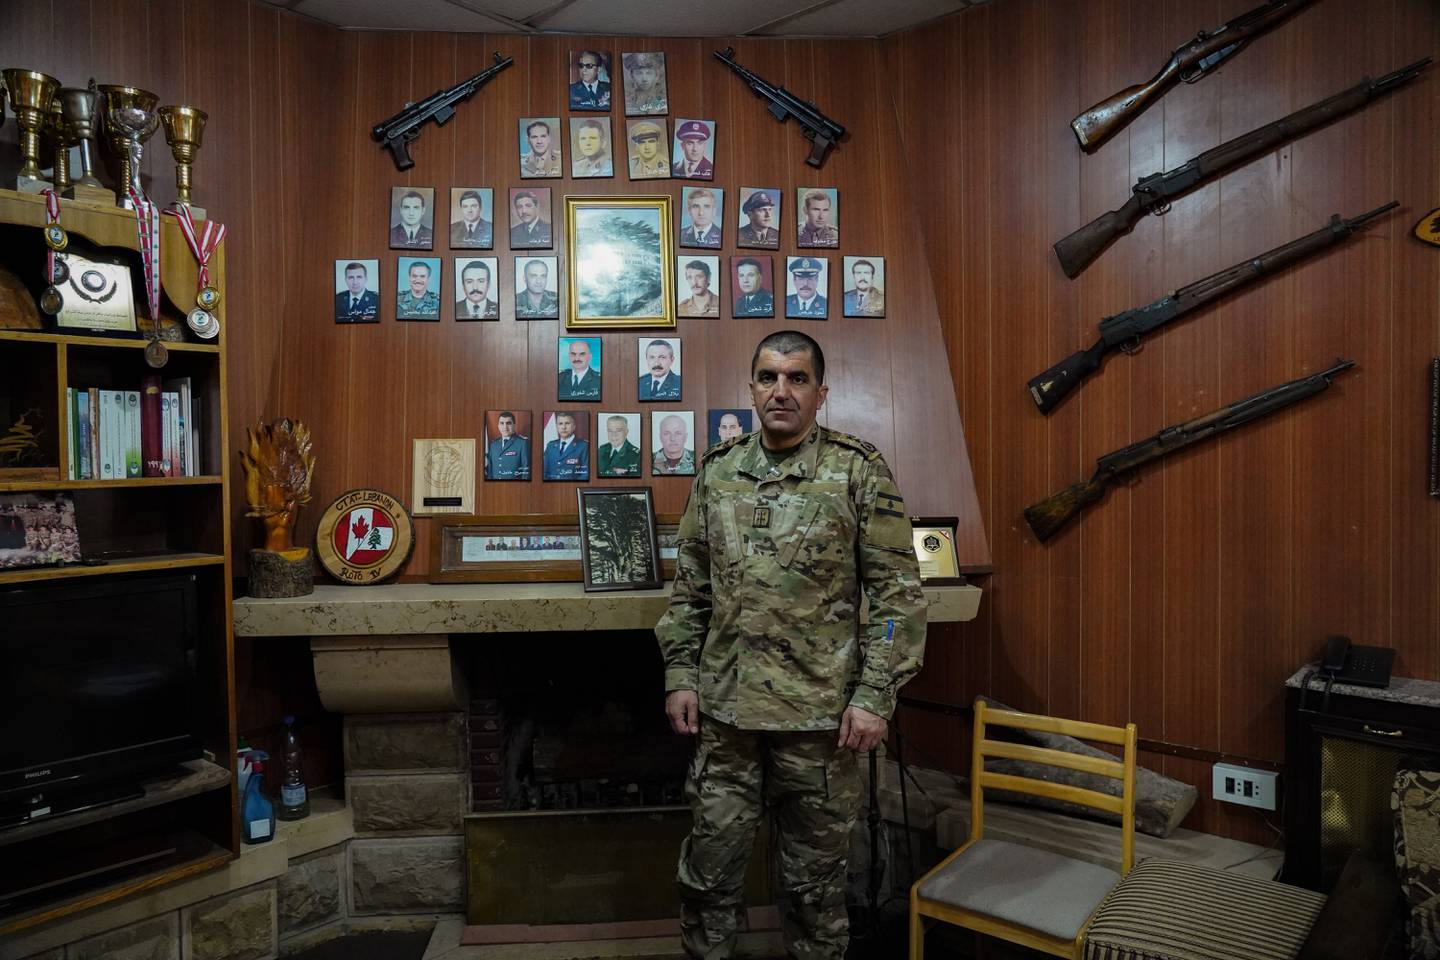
785, 530
417, 302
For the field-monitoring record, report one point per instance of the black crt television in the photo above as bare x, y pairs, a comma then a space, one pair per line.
97, 689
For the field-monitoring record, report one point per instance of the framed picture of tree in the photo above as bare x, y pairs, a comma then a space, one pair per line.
619, 257
619, 548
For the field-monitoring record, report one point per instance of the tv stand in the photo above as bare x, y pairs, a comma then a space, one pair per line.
62, 802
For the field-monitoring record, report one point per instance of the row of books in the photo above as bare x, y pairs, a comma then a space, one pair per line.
151, 432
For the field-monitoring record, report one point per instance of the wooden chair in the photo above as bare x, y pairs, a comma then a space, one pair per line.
1028, 896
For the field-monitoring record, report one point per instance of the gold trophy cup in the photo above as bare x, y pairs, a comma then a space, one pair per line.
129, 115
184, 130
59, 138
31, 93
81, 107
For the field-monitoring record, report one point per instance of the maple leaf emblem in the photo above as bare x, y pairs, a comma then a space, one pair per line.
359, 527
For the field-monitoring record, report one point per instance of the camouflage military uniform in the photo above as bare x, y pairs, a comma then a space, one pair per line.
685, 465
764, 622
426, 307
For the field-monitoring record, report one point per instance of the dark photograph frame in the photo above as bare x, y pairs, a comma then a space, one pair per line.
514, 548
619, 543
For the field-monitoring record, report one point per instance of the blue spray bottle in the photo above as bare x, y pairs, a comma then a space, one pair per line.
257, 813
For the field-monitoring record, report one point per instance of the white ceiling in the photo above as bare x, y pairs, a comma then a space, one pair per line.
676, 18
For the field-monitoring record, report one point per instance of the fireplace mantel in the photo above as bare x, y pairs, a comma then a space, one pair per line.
420, 608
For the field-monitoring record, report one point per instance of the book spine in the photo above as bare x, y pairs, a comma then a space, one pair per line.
95, 471
71, 467
175, 438
132, 433
105, 419
151, 438
166, 440
197, 432
117, 434
82, 432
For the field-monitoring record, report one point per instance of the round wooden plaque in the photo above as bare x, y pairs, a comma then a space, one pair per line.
364, 537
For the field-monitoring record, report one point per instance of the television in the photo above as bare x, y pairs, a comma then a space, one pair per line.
98, 687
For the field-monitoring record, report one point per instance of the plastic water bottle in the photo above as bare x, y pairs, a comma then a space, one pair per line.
294, 799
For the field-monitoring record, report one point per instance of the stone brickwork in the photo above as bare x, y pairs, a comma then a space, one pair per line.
312, 892
157, 939
407, 875
395, 743
237, 926
409, 804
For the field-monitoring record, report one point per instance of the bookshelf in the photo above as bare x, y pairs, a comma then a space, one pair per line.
127, 526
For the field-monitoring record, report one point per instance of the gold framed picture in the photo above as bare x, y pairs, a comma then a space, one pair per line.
620, 253
934, 539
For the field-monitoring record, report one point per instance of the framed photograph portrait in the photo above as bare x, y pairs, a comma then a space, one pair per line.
540, 153
817, 217
645, 90
646, 140
619, 438
619, 549
537, 291
577, 363
472, 218
693, 155
518, 548
412, 218
864, 286
805, 288
417, 284
590, 80
530, 216
727, 424
697, 280
357, 291
752, 286
672, 443
566, 439
702, 210
476, 287
620, 252
659, 359
507, 444
590, 147
759, 225
37, 529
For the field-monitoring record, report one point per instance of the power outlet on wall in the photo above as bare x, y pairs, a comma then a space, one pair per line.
1244, 785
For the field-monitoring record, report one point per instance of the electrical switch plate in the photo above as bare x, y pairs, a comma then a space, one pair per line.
1244, 785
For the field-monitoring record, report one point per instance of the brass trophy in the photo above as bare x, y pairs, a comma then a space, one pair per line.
31, 93
184, 130
58, 140
129, 115
81, 106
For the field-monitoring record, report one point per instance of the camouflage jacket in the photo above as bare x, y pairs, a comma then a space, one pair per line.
764, 618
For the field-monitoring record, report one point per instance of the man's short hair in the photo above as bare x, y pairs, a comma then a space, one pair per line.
617, 418
419, 263
700, 265
598, 57
472, 195
814, 195
862, 263
413, 193
522, 194
748, 262
792, 341
503, 415
565, 413
537, 263
474, 264
534, 124
356, 265
699, 192
661, 343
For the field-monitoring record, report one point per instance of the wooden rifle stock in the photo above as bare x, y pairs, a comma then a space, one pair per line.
1076, 251
1049, 515
1095, 126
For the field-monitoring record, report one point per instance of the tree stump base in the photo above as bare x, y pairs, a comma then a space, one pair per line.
288, 574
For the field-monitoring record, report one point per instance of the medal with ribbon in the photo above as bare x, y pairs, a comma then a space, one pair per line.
147, 227
56, 271
202, 244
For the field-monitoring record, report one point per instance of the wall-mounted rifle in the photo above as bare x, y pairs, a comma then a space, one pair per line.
401, 130
1190, 62
1124, 330
820, 130
1153, 194
1052, 513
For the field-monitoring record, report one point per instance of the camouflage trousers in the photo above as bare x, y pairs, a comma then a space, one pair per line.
813, 790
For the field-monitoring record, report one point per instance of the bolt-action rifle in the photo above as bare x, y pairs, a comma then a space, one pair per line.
401, 130
820, 130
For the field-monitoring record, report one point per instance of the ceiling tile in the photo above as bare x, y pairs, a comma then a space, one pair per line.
518, 10
863, 18
682, 18
388, 15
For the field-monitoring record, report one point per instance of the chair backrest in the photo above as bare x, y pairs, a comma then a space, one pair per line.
1122, 770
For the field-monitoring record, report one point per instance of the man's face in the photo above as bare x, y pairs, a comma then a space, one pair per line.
647, 147
817, 212
805, 285
644, 79
694, 149
564, 426
762, 217
749, 277
617, 431
535, 276
470, 210
579, 356
699, 283
587, 139
477, 284
729, 426
526, 209
419, 279
411, 210
702, 211
673, 434
786, 395
864, 276
355, 281
507, 426
539, 137
589, 68
658, 359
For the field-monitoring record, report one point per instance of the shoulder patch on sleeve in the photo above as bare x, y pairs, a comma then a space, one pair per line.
720, 448
855, 443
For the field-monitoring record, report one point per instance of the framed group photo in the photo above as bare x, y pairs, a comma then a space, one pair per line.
520, 548
619, 546
620, 253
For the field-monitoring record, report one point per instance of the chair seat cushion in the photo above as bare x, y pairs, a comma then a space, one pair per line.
1036, 889
1171, 910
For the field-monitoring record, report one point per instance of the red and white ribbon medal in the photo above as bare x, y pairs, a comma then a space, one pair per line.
56, 271
147, 227
202, 245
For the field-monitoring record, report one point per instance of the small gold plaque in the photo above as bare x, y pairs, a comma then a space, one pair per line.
443, 480
934, 541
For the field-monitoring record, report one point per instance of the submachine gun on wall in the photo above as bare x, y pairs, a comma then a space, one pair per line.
1052, 513
820, 130
401, 130
1153, 194
1189, 63
1124, 330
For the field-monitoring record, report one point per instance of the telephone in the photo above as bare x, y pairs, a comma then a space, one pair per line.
1361, 666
